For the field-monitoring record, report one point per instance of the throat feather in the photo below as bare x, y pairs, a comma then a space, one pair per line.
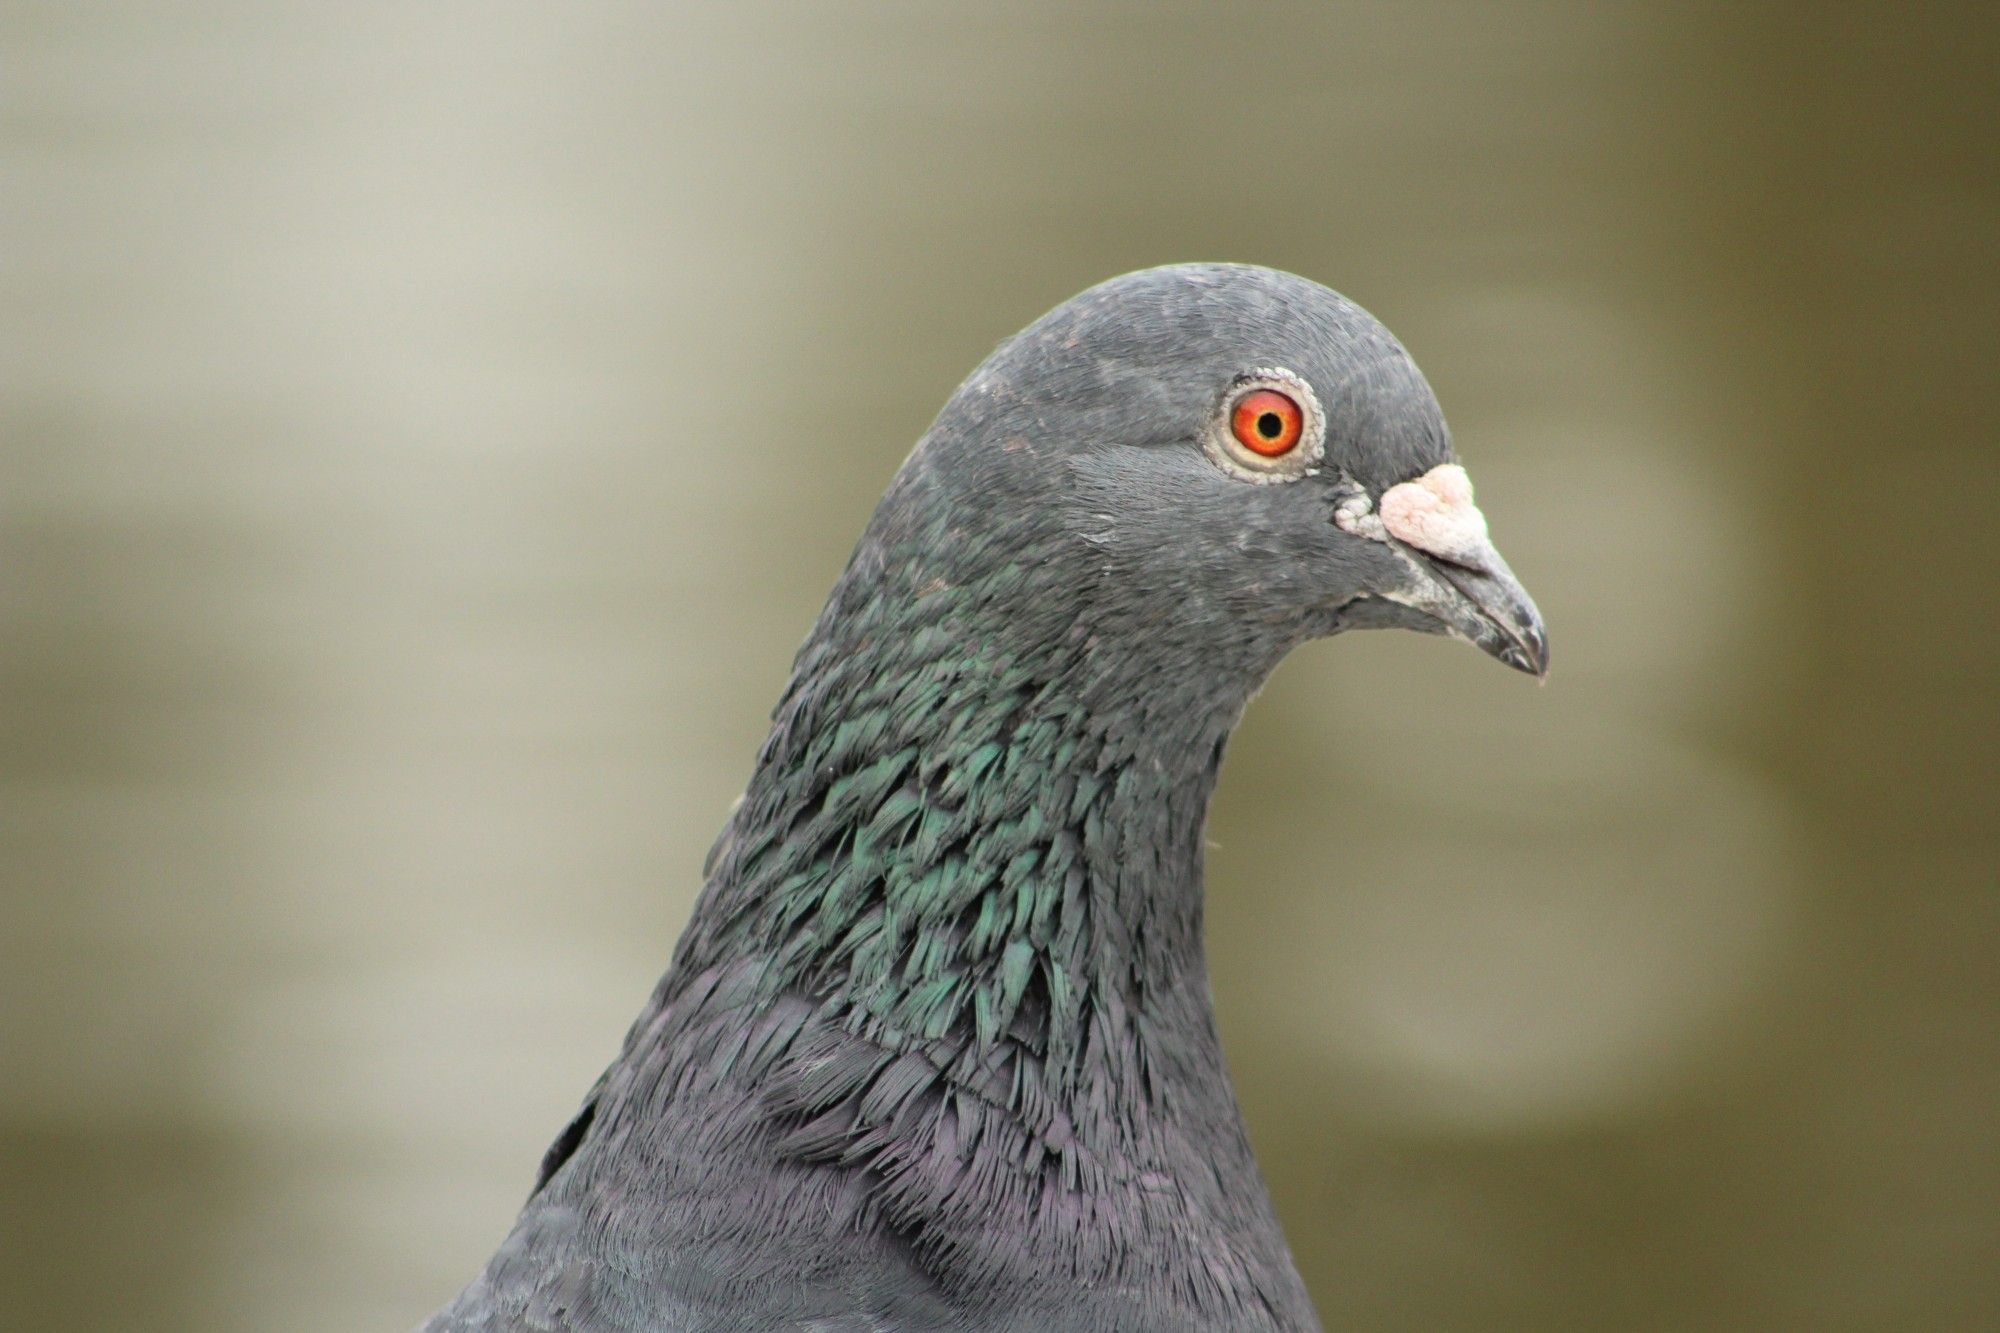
954, 849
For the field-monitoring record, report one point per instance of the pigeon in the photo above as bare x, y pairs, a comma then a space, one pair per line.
936, 1050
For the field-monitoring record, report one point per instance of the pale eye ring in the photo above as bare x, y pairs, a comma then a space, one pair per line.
1267, 427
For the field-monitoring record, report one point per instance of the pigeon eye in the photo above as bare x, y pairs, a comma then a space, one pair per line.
1267, 422
1267, 428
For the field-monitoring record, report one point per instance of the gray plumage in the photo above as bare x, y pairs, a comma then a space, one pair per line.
936, 1050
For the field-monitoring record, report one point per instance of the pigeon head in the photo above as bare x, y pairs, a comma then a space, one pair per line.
1222, 460
936, 1049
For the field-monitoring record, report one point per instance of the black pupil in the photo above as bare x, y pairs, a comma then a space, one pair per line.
1269, 426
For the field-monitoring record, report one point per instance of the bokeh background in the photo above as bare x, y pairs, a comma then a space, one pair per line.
426, 431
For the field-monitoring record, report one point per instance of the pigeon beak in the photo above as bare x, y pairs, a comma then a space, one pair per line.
1459, 578
1479, 600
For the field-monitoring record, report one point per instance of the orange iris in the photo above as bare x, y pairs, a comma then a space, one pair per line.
1267, 422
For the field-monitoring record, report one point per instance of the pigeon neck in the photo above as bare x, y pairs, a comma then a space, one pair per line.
952, 936
976, 835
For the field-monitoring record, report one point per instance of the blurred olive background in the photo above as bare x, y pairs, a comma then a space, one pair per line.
428, 429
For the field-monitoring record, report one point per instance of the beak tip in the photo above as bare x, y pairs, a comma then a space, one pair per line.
1529, 659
